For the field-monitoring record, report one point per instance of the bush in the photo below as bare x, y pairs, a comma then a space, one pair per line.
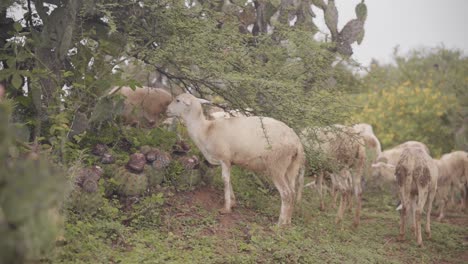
409, 112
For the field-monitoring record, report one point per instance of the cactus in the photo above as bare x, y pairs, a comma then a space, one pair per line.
30, 190
130, 184
352, 32
184, 173
361, 11
84, 202
155, 176
331, 19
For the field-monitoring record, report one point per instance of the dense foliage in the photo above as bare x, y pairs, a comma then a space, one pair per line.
60, 58
31, 193
422, 97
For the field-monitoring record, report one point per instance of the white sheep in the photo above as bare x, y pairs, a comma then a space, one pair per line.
383, 171
372, 144
215, 112
416, 173
453, 178
143, 107
260, 144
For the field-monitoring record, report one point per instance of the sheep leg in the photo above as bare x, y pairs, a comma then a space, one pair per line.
350, 204
233, 197
403, 211
464, 197
226, 174
341, 208
320, 189
287, 199
413, 215
422, 198
358, 196
334, 196
431, 197
442, 205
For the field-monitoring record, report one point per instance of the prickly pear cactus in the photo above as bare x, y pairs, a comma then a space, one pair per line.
130, 184
184, 172
155, 176
361, 11
84, 202
31, 192
86, 197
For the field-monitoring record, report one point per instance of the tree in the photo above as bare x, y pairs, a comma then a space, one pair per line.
440, 70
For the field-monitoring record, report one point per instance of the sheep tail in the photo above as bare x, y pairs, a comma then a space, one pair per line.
300, 180
300, 184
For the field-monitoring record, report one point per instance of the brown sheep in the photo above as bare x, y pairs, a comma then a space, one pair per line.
260, 144
145, 106
416, 173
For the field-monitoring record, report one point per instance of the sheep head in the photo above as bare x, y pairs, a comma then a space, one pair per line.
384, 171
185, 105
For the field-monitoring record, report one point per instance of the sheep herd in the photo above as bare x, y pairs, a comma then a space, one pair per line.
350, 154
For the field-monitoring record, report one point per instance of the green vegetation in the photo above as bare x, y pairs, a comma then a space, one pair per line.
403, 113
423, 97
181, 227
60, 60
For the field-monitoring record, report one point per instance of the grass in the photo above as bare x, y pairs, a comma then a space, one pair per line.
185, 227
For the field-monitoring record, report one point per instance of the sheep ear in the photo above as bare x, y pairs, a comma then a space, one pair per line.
375, 165
391, 166
203, 101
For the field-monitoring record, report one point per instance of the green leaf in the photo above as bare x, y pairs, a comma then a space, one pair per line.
17, 26
17, 80
11, 62
67, 74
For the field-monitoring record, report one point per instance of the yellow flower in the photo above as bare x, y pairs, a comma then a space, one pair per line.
407, 83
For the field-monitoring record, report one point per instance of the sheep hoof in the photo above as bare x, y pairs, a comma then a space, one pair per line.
401, 237
356, 224
225, 211
429, 235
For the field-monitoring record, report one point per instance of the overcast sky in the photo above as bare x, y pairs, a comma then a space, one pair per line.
408, 23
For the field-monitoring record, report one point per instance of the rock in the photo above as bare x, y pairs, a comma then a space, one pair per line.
107, 159
163, 159
90, 186
93, 173
137, 162
145, 149
99, 149
181, 148
152, 155
189, 162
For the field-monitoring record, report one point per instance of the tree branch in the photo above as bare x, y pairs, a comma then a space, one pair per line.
41, 11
